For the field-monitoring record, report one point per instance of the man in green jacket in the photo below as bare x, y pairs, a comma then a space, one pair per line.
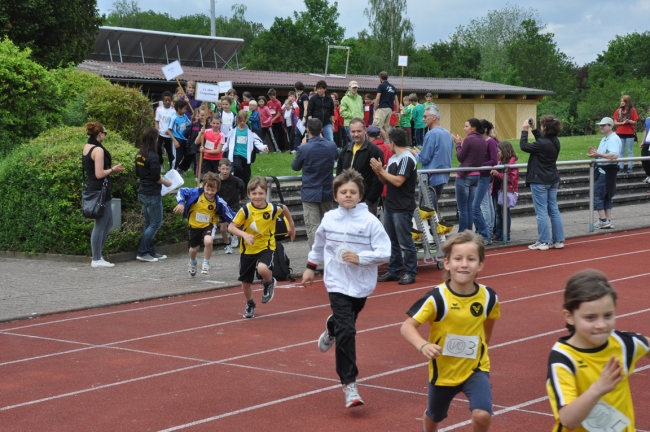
351, 106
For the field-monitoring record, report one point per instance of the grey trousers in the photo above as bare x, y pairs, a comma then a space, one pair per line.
100, 232
313, 213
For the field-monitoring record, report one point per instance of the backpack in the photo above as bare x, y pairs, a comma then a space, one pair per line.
281, 264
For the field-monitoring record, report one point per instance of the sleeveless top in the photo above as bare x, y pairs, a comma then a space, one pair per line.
92, 182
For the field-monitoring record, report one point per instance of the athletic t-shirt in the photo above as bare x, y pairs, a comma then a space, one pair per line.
405, 119
402, 199
212, 141
275, 107
417, 114
227, 119
203, 213
450, 314
261, 224
241, 143
302, 109
163, 117
387, 95
571, 371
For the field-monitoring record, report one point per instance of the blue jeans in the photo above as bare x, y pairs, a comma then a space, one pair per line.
297, 140
347, 131
469, 194
626, 144
419, 136
398, 227
328, 132
487, 210
153, 213
545, 202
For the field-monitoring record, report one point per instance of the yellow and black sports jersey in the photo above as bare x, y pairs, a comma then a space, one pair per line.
451, 314
203, 213
261, 223
571, 371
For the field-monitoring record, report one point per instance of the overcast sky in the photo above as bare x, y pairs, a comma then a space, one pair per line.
582, 27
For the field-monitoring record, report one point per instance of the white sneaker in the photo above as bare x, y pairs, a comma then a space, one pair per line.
234, 241
101, 263
600, 224
646, 180
352, 397
205, 268
228, 249
325, 341
556, 245
192, 269
539, 246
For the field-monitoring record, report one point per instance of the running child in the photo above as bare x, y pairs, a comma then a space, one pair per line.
588, 370
200, 206
233, 191
178, 130
213, 146
461, 314
350, 260
255, 224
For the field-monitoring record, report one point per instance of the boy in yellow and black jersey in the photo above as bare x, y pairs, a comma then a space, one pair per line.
200, 206
255, 223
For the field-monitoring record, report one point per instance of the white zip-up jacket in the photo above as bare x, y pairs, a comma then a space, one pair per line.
360, 232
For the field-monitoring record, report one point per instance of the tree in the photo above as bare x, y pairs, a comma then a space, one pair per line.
391, 34
56, 32
456, 59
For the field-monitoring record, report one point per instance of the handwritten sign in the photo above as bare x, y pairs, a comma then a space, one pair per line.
224, 86
461, 346
207, 92
403, 61
172, 70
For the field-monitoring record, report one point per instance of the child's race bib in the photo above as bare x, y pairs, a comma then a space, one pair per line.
605, 418
461, 346
209, 145
202, 217
242, 140
338, 256
366, 108
246, 108
272, 112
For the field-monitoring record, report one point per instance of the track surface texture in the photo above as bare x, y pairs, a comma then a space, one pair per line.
193, 363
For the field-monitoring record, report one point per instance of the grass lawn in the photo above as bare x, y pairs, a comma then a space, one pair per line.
279, 164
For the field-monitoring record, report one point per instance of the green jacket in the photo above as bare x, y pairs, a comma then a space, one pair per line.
351, 107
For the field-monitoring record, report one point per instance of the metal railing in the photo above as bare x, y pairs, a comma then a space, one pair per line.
506, 168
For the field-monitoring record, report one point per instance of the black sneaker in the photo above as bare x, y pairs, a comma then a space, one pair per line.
387, 277
249, 312
267, 293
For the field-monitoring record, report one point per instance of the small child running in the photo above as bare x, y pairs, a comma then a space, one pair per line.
200, 206
461, 314
351, 243
255, 223
588, 370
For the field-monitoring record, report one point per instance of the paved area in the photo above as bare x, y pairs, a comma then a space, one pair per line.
30, 287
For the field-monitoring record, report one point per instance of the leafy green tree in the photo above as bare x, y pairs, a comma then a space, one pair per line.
626, 57
456, 59
57, 33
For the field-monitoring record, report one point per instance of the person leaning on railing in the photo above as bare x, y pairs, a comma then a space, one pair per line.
543, 177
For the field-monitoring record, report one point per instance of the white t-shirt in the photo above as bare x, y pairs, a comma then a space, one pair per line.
163, 117
226, 122
287, 118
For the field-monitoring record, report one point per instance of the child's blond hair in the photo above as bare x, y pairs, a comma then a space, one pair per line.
466, 236
256, 182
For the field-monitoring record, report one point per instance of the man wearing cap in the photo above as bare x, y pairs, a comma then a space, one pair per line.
385, 104
605, 173
351, 106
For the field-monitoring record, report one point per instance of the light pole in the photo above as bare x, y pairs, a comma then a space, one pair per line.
212, 29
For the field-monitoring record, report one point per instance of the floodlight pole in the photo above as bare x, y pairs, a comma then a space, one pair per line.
327, 60
212, 26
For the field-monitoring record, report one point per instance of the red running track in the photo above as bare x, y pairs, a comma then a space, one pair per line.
193, 363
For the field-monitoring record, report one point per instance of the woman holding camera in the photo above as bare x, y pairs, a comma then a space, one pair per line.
543, 177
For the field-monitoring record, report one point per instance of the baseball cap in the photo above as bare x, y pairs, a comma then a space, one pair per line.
606, 121
373, 131
353, 84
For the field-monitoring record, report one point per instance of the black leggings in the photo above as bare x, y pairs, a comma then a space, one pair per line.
169, 147
241, 169
645, 151
341, 325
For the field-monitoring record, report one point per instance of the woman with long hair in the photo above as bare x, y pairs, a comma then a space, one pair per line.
147, 169
625, 118
491, 159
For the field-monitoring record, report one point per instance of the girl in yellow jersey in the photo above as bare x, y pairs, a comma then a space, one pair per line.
461, 314
588, 370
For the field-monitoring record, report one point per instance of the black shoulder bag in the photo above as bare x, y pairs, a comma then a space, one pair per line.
93, 202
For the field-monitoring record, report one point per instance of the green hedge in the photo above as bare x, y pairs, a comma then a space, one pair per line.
40, 183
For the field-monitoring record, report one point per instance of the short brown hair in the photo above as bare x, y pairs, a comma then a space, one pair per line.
242, 115
586, 286
347, 176
211, 179
271, 92
383, 75
262, 98
225, 161
413, 97
551, 124
466, 236
256, 182
321, 84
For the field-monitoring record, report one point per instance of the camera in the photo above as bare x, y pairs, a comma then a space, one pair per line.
530, 121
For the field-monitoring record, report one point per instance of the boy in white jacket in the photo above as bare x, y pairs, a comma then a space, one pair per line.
351, 243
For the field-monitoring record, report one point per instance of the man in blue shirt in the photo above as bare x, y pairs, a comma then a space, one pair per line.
385, 104
605, 181
436, 151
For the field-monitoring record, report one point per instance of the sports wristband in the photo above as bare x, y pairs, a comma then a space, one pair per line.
423, 345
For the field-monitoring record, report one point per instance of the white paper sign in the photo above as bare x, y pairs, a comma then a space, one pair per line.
207, 92
301, 127
403, 61
461, 346
224, 86
172, 70
176, 179
605, 418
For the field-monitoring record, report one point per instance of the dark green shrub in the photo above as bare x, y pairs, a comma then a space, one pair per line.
30, 97
40, 183
74, 84
124, 109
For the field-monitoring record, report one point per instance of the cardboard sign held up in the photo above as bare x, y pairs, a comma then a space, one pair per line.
224, 86
403, 61
207, 92
172, 70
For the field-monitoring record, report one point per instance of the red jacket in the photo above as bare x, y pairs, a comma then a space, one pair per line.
513, 178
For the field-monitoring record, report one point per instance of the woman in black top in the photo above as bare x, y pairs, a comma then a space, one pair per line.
147, 168
98, 166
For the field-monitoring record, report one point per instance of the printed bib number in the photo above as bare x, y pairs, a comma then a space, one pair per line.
202, 217
461, 346
272, 112
242, 140
246, 108
605, 418
209, 145
338, 256
366, 108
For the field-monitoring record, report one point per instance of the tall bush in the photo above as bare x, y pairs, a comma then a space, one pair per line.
40, 184
30, 97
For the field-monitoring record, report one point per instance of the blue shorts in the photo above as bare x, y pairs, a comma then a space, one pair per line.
477, 388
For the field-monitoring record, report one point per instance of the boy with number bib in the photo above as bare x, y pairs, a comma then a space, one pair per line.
255, 224
200, 206
461, 314
588, 370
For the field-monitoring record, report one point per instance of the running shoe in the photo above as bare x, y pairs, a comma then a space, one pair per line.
352, 397
192, 269
325, 341
146, 258
205, 268
160, 257
556, 245
267, 293
249, 312
603, 224
101, 263
539, 246
228, 249
234, 241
